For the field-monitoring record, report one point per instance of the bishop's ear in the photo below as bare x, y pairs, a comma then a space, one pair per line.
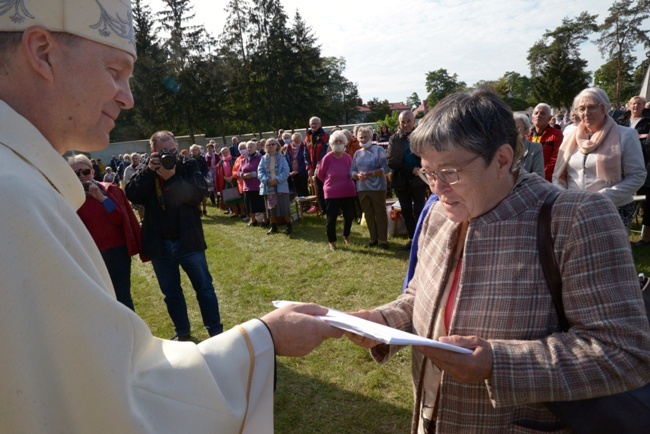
39, 46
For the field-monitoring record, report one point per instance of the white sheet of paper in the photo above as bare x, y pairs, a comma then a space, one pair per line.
376, 331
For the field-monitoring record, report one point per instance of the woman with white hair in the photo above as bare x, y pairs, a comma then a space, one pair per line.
369, 168
108, 216
338, 186
601, 156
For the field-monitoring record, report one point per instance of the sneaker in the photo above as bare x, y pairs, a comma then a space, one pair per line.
253, 223
312, 210
288, 230
181, 338
370, 244
273, 230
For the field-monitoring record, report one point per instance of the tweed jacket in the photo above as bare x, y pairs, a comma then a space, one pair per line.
502, 297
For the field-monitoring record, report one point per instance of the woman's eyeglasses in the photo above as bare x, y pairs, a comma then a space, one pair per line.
589, 107
448, 176
84, 172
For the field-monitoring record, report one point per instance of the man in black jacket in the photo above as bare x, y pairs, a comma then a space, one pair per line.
410, 189
172, 234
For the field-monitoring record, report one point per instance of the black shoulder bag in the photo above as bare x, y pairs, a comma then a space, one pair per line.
623, 413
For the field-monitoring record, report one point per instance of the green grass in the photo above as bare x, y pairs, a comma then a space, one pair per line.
338, 388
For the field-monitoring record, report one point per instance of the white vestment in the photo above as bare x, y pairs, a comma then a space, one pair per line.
73, 359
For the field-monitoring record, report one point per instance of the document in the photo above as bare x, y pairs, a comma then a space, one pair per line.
376, 331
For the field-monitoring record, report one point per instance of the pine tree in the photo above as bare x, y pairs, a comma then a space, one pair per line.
557, 71
621, 32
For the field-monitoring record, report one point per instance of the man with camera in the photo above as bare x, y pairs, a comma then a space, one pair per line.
171, 190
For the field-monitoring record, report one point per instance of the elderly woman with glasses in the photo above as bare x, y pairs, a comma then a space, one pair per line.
601, 156
108, 216
479, 285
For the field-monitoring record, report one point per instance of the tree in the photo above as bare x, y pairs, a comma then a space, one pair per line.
341, 96
307, 75
378, 109
519, 86
606, 77
188, 56
440, 83
413, 101
557, 70
152, 98
622, 30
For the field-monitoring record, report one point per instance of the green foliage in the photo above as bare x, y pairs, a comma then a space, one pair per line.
341, 97
391, 121
440, 83
413, 101
338, 388
622, 30
606, 78
263, 74
519, 86
378, 109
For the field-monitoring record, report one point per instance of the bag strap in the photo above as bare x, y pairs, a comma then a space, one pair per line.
548, 260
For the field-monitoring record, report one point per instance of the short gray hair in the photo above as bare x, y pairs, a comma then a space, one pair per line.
338, 135
365, 129
595, 94
479, 122
80, 159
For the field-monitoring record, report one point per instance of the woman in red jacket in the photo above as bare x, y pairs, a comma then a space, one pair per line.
108, 216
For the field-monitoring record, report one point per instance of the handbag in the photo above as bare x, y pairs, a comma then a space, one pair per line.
623, 413
229, 194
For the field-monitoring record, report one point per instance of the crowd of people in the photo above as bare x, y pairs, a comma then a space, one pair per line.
476, 280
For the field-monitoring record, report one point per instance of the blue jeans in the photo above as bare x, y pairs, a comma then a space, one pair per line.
195, 266
118, 263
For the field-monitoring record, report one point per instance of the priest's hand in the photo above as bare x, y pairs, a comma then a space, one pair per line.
296, 332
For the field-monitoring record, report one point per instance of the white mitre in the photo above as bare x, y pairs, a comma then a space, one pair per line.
109, 22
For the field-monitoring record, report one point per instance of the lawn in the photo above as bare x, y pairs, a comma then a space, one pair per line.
338, 388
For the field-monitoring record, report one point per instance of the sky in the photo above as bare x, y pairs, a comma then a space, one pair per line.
389, 46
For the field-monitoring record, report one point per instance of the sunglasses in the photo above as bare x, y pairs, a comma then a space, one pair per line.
84, 172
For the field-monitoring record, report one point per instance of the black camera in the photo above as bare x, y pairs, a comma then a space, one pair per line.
167, 159
86, 185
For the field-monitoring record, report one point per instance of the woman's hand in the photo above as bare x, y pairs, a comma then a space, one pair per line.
465, 368
370, 315
96, 192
